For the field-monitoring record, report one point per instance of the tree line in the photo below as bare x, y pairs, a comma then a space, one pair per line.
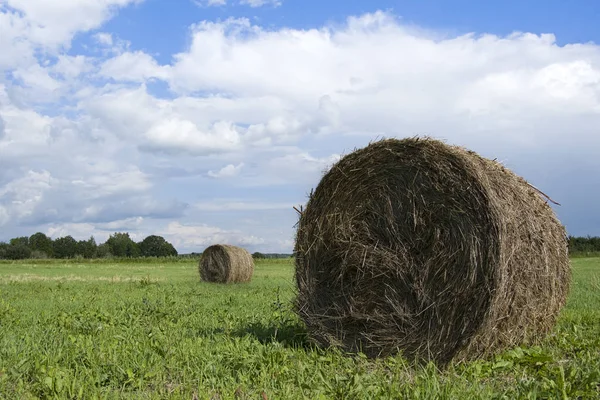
118, 244
258, 255
588, 244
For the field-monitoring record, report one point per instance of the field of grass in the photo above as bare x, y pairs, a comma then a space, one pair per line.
145, 331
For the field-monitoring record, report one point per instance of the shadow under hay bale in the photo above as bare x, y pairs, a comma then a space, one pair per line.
222, 263
419, 247
289, 334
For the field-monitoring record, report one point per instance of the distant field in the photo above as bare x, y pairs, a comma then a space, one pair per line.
145, 331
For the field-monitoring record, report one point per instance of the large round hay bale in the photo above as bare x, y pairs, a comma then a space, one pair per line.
223, 263
428, 249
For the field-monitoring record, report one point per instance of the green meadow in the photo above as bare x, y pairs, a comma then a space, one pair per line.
152, 330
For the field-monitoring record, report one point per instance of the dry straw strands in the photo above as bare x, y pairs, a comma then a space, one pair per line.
224, 263
429, 249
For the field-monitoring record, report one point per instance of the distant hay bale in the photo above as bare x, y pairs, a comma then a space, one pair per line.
224, 263
429, 249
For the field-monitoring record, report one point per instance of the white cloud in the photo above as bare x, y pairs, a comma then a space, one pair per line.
228, 171
110, 44
20, 197
79, 231
136, 67
102, 182
376, 77
100, 232
210, 3
156, 125
375, 67
104, 38
127, 224
71, 67
295, 167
53, 23
26, 132
260, 3
225, 205
2, 127
200, 236
37, 78
15, 48
4, 216
181, 134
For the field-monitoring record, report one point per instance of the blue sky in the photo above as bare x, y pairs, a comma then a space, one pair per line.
160, 27
205, 121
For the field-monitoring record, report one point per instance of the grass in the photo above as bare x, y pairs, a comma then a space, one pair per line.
144, 331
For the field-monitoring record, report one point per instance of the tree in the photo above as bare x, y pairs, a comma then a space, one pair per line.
3, 247
23, 241
121, 245
584, 244
258, 255
103, 251
156, 246
41, 243
17, 252
65, 247
87, 248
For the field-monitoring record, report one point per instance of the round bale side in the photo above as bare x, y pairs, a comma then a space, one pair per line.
419, 247
223, 263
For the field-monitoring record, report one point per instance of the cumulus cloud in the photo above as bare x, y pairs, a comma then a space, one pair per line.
36, 76
137, 67
77, 231
15, 47
127, 224
180, 134
298, 167
210, 3
4, 216
156, 125
54, 23
70, 67
104, 38
20, 197
2, 127
139, 206
260, 3
106, 182
201, 236
226, 205
227, 171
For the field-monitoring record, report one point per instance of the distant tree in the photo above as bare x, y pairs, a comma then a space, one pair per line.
17, 252
87, 248
121, 245
3, 247
133, 250
103, 251
23, 241
257, 255
39, 242
584, 244
39, 255
156, 246
64, 247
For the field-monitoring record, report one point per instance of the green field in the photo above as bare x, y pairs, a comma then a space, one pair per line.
141, 331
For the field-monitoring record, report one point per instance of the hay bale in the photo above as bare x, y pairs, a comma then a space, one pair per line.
223, 263
416, 246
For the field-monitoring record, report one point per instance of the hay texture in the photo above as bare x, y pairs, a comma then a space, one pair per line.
419, 247
223, 263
